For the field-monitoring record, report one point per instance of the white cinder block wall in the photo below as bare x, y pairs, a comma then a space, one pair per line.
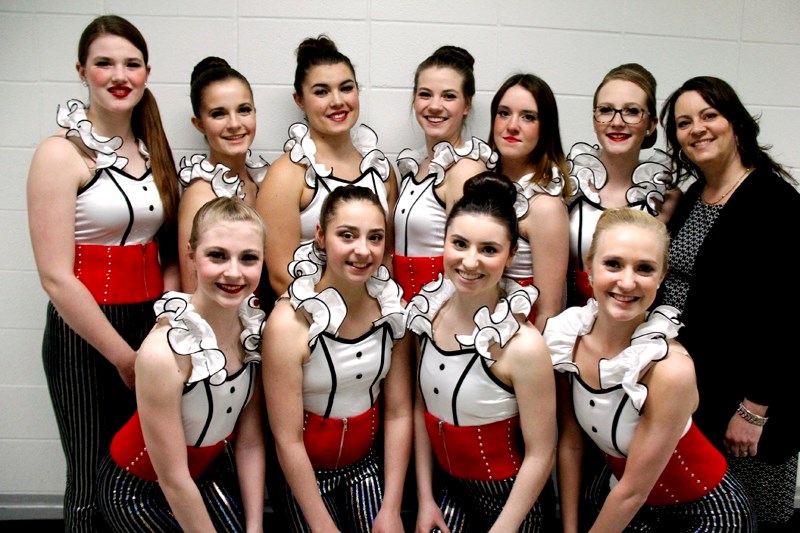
753, 44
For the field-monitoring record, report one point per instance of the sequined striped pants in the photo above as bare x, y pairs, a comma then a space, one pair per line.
473, 505
90, 402
352, 494
132, 504
726, 509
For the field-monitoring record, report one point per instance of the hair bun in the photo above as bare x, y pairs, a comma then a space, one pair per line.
207, 64
455, 53
313, 46
490, 186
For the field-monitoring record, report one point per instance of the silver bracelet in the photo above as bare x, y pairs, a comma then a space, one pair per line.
750, 416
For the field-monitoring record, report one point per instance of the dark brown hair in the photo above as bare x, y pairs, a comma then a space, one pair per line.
211, 70
315, 51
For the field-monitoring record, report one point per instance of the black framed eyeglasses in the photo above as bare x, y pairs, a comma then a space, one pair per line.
603, 114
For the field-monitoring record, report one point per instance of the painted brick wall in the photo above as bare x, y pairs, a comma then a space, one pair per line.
753, 44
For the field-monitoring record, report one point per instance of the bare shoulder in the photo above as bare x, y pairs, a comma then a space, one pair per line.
545, 205
285, 325
283, 168
676, 370
466, 168
59, 152
528, 346
195, 195
155, 352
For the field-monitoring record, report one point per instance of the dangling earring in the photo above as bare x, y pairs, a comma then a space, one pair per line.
590, 280
84, 83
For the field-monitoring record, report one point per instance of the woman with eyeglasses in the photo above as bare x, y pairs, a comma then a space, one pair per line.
611, 173
607, 175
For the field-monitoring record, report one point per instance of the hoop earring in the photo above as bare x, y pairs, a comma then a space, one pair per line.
682, 157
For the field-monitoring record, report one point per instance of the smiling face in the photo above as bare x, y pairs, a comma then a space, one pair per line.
330, 99
227, 119
626, 269
477, 250
516, 125
354, 240
440, 105
706, 137
228, 257
116, 74
617, 137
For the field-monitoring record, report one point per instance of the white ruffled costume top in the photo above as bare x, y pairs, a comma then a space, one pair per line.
342, 377
114, 208
610, 415
198, 167
650, 181
521, 266
375, 170
457, 385
419, 216
212, 399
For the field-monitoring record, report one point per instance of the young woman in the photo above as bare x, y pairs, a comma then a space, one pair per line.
486, 407
738, 213
224, 112
432, 179
336, 368
325, 152
630, 387
102, 197
526, 135
198, 391
611, 173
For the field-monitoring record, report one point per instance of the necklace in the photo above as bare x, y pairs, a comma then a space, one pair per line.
726, 193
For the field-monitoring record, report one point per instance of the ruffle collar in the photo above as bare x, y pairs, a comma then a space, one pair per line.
445, 155
526, 190
498, 326
191, 335
327, 308
302, 150
222, 183
650, 179
73, 117
648, 344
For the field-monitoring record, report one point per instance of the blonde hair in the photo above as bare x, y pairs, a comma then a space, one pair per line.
617, 216
224, 209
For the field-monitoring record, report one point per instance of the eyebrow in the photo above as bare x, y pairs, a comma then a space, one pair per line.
507, 108
626, 104
481, 243
325, 85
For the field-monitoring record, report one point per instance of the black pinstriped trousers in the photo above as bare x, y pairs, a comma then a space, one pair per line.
90, 402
